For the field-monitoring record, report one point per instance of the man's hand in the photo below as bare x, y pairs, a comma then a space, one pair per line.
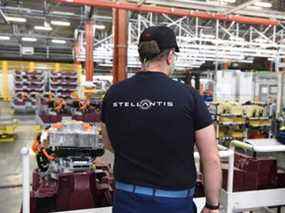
206, 210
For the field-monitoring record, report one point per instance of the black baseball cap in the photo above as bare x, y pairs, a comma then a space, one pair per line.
162, 35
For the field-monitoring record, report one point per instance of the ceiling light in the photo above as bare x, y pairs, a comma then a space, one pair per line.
60, 23
57, 41
236, 38
16, 19
63, 13
207, 36
29, 39
229, 1
43, 28
254, 8
263, 4
6, 38
100, 27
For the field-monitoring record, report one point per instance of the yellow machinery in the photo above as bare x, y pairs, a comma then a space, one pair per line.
89, 91
230, 120
256, 115
237, 121
7, 129
94, 91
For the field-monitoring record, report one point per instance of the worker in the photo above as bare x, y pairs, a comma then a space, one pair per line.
43, 154
152, 124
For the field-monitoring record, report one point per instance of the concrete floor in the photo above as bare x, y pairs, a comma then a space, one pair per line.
10, 169
10, 163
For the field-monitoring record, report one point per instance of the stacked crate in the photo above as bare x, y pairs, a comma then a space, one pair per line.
63, 84
27, 86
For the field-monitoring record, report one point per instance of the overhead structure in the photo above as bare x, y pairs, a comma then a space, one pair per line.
199, 40
215, 7
242, 6
171, 11
202, 36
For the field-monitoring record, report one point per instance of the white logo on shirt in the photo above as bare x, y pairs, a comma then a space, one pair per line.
144, 104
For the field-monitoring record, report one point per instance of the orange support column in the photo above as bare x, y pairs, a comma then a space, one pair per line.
226, 65
89, 65
120, 56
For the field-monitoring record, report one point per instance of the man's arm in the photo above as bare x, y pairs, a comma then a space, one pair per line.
207, 147
105, 138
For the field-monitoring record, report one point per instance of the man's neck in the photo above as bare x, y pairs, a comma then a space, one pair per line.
154, 69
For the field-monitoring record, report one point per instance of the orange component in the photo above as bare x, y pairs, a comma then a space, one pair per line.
84, 105
87, 126
57, 125
23, 96
172, 11
36, 146
48, 156
59, 105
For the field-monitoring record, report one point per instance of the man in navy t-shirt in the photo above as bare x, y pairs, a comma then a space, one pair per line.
152, 123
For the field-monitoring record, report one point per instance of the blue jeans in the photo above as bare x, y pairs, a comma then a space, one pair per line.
127, 202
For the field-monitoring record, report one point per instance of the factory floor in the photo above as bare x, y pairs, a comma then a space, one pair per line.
10, 162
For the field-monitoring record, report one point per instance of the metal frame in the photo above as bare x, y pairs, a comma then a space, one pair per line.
215, 6
199, 40
174, 10
239, 7
237, 201
231, 201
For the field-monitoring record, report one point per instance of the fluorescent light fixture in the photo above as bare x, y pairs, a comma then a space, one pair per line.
100, 27
208, 36
29, 39
261, 40
236, 38
16, 19
229, 1
263, 4
254, 8
43, 28
4, 38
58, 41
60, 23
63, 13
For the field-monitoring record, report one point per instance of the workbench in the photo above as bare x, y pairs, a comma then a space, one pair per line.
245, 200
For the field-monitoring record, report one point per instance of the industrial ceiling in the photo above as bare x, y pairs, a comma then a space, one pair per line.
53, 41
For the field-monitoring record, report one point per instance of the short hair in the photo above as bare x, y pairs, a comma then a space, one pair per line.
149, 52
163, 55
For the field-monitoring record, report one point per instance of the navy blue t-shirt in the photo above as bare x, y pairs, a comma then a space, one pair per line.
151, 121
